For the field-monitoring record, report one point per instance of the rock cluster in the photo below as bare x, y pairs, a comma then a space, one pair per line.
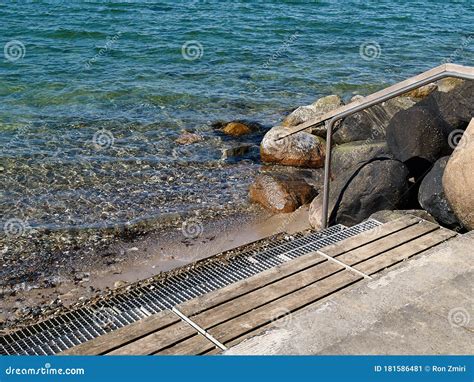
404, 154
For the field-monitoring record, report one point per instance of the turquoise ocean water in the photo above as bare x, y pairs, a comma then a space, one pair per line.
94, 94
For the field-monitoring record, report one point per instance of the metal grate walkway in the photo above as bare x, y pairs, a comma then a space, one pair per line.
60, 333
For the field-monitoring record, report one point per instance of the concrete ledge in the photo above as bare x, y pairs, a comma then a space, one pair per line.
422, 306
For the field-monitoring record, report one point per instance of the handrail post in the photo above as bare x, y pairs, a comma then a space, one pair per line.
327, 170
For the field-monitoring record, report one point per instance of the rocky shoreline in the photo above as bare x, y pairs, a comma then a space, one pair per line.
413, 152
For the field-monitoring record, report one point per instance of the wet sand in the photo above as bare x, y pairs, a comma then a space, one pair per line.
128, 262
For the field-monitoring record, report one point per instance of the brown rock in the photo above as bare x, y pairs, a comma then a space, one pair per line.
422, 91
458, 179
187, 138
448, 84
281, 192
301, 149
236, 129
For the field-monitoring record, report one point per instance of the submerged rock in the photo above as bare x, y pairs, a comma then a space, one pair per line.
348, 155
432, 198
281, 192
301, 149
237, 129
188, 138
377, 185
458, 181
243, 150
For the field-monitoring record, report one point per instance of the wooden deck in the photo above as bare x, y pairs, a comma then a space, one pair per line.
241, 310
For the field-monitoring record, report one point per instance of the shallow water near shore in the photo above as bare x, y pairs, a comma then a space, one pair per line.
94, 97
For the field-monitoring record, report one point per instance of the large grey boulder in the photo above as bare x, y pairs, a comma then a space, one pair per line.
418, 137
432, 198
455, 107
350, 154
379, 184
458, 179
301, 149
371, 123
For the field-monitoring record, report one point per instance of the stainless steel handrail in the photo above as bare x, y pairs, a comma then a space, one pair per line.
437, 73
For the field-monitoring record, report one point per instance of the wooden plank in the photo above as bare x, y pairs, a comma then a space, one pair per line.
378, 263
405, 251
377, 247
262, 296
373, 265
194, 345
253, 300
157, 341
382, 94
371, 235
121, 336
247, 322
251, 321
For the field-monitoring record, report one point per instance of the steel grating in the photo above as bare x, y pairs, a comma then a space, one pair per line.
57, 334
